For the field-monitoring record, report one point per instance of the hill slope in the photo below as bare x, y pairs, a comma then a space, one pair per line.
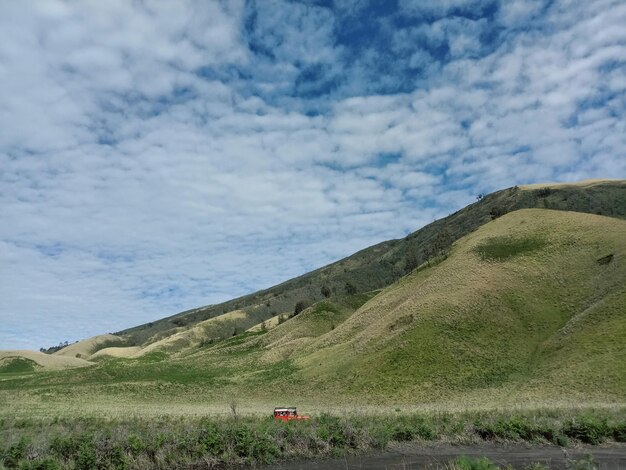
381, 265
531, 304
528, 310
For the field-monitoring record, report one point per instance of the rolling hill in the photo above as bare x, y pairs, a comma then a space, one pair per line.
519, 307
527, 310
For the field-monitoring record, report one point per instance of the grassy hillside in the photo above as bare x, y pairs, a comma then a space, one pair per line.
528, 310
528, 305
381, 265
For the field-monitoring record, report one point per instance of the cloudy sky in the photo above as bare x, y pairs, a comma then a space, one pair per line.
157, 156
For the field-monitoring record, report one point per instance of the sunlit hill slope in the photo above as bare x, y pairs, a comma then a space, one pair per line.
529, 308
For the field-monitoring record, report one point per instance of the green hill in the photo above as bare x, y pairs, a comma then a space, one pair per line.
527, 310
381, 265
531, 305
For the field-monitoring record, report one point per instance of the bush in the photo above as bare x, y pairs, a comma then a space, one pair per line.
544, 192
497, 211
300, 306
350, 288
619, 432
330, 430
15, 453
86, 458
503, 248
41, 464
588, 429
325, 290
518, 428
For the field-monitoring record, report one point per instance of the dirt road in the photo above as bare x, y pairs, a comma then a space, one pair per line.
412, 456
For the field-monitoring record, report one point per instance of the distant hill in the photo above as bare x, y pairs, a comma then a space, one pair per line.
381, 265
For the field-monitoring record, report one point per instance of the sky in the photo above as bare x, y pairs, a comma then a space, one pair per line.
158, 156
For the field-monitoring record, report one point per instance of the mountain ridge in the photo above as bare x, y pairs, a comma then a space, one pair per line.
382, 264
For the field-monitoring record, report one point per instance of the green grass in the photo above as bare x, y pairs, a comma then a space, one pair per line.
18, 365
503, 248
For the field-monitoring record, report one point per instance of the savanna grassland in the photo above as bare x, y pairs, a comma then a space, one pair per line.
504, 323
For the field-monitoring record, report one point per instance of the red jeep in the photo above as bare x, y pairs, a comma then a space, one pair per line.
288, 414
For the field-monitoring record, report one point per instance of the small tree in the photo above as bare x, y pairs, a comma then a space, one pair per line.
326, 291
412, 261
300, 305
438, 246
497, 211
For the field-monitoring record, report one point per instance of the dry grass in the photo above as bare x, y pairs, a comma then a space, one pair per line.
213, 328
87, 347
269, 324
45, 361
583, 183
130, 351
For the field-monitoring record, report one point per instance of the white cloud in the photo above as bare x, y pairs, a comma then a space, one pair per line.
153, 160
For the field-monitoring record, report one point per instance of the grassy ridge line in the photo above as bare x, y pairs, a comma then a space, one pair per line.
380, 265
170, 443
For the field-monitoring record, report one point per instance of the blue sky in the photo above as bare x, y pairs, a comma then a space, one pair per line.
158, 156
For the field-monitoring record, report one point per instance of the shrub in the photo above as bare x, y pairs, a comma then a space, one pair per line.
212, 440
350, 288
15, 453
325, 290
64, 447
135, 444
497, 211
544, 192
41, 464
537, 466
586, 463
300, 306
330, 430
588, 429
518, 428
619, 432
86, 458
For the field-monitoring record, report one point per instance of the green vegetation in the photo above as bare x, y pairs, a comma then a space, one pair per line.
17, 365
171, 443
482, 463
502, 248
544, 328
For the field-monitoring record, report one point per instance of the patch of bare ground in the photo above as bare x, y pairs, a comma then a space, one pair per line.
440, 456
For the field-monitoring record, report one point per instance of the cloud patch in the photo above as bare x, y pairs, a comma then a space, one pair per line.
158, 157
